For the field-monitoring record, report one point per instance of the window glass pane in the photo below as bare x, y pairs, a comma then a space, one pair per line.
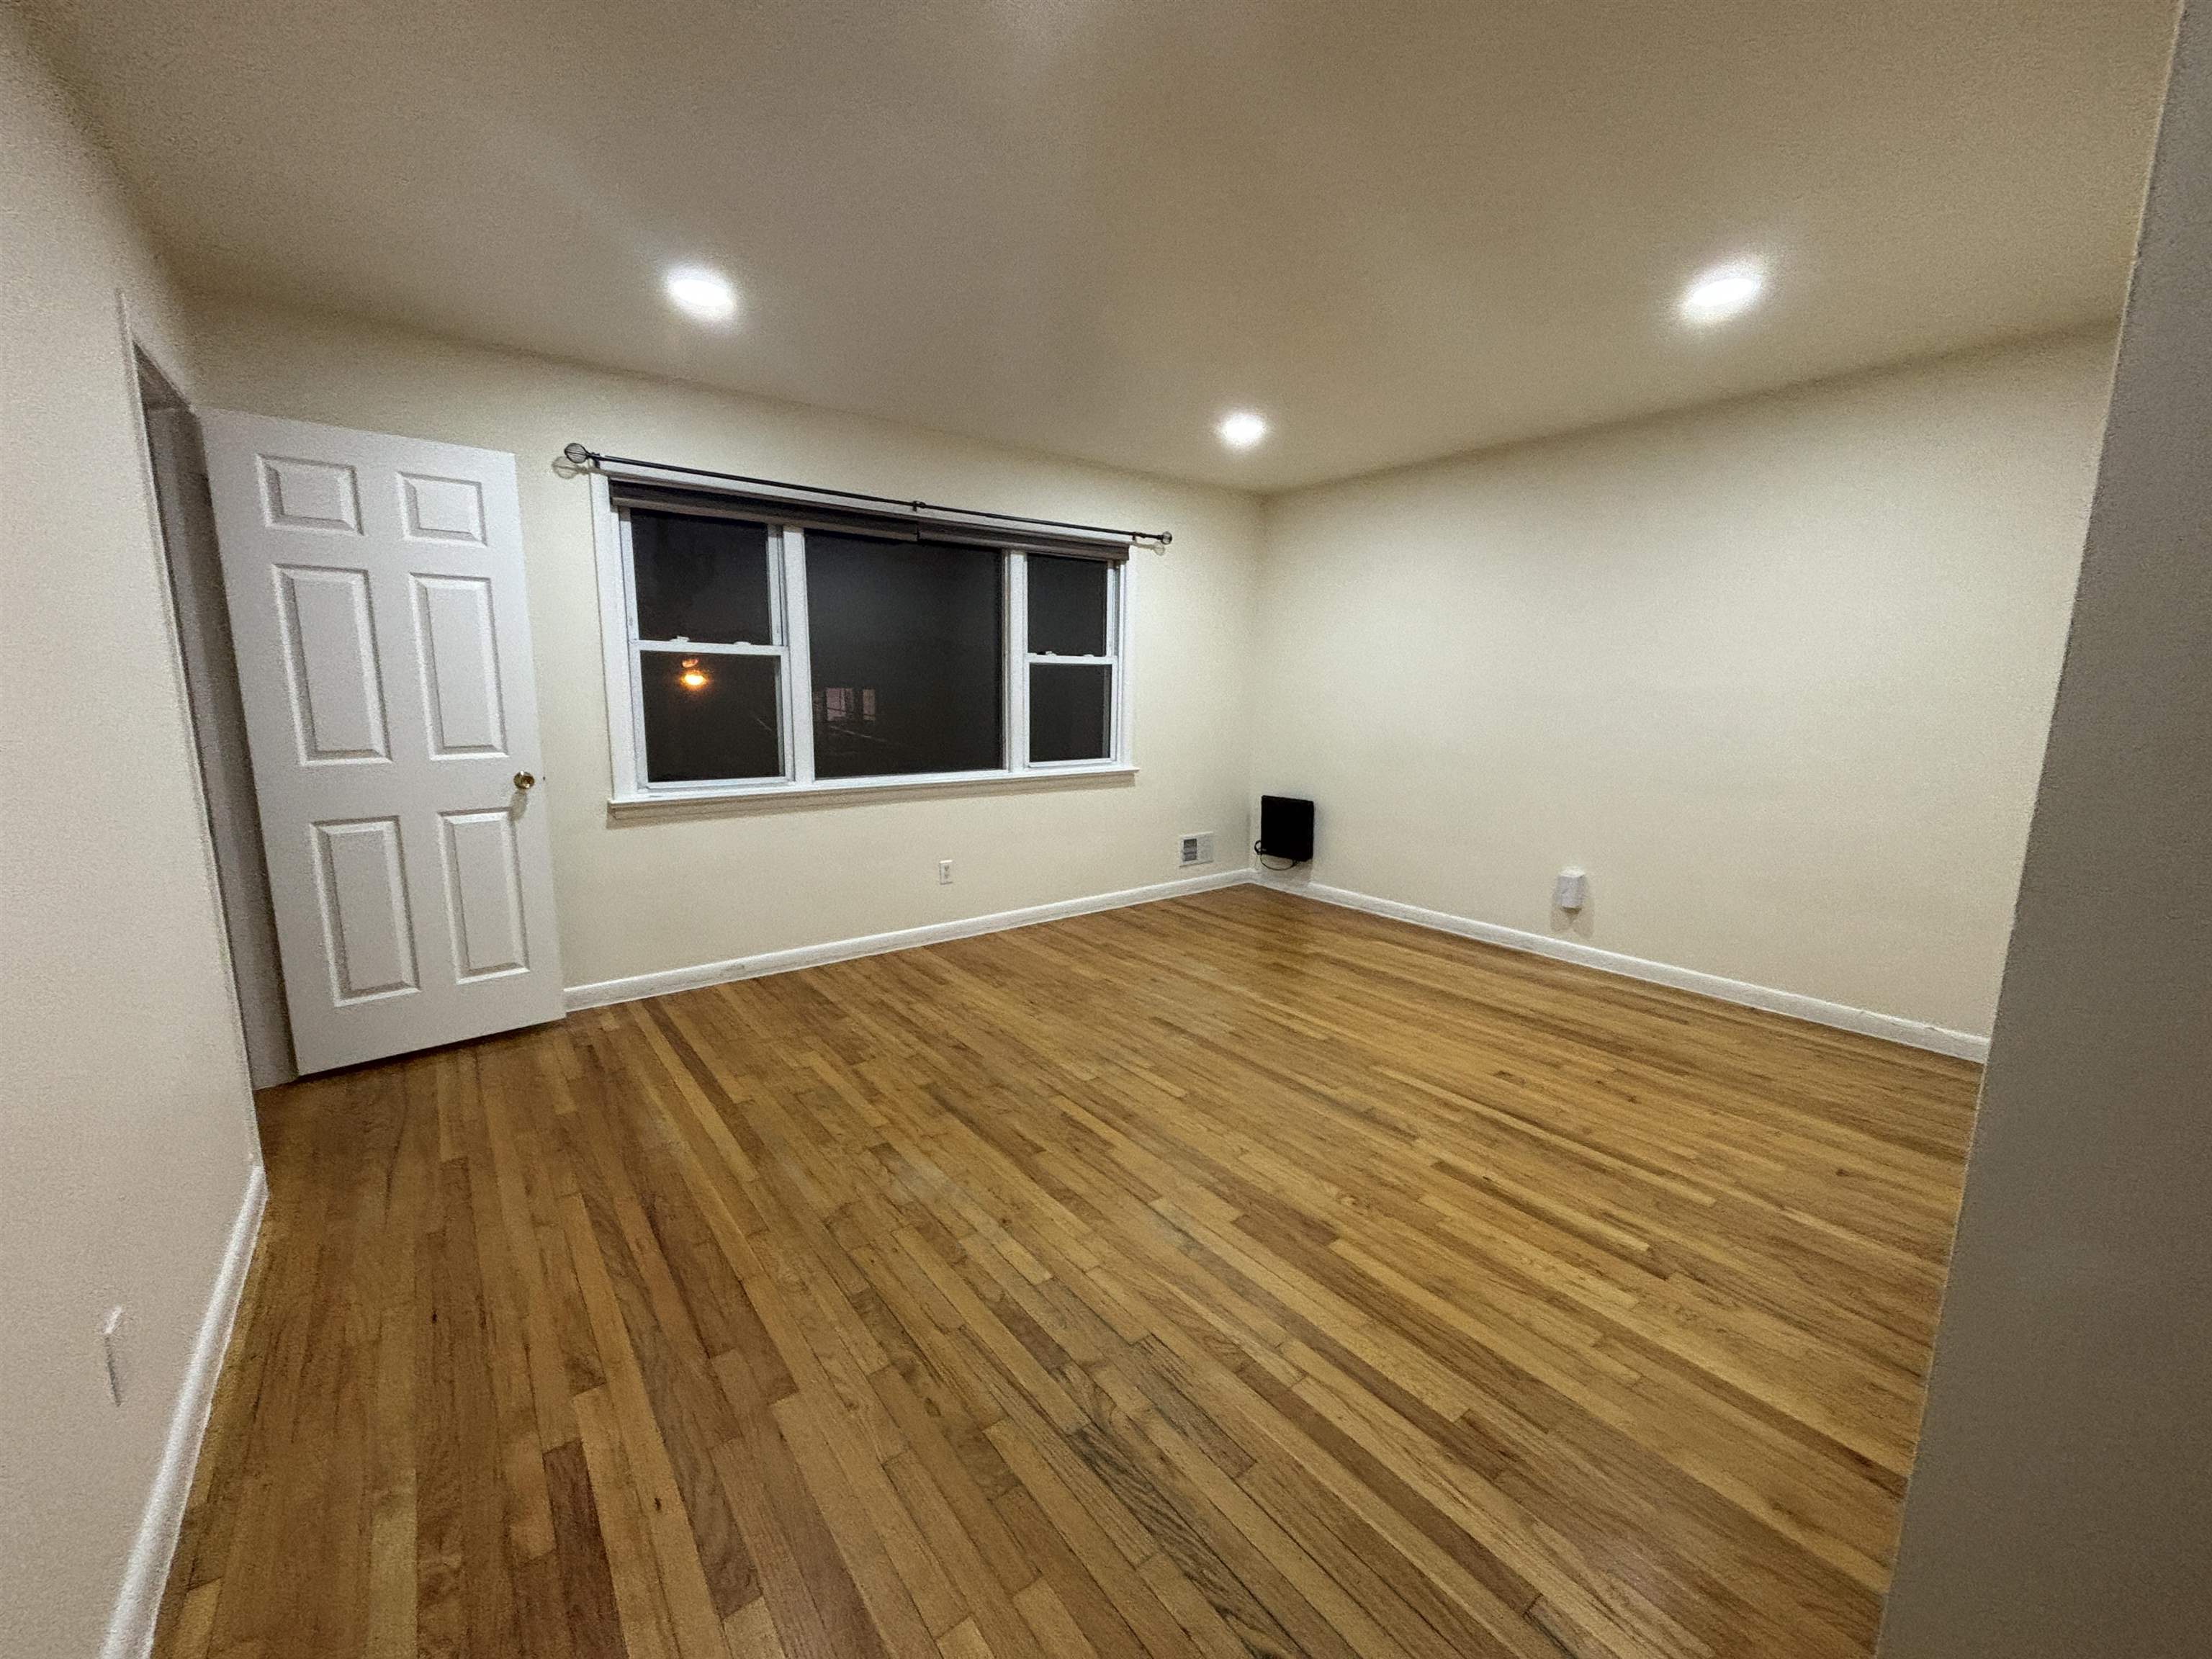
1067, 606
711, 716
906, 645
700, 578
1071, 711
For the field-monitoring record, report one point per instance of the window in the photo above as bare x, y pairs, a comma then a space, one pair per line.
908, 671
762, 656
1071, 662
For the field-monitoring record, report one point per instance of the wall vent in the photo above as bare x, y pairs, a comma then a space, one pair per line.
1197, 849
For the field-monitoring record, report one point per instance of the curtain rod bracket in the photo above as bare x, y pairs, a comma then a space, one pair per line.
575, 459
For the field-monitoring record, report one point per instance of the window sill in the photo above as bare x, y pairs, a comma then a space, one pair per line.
699, 803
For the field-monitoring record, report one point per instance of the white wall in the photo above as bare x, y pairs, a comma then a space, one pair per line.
1776, 672
639, 898
126, 1140
2061, 1503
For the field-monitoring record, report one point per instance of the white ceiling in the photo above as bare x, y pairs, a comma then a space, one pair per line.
1398, 227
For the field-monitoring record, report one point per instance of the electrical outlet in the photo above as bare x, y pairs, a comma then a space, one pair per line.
1196, 849
944, 872
111, 1352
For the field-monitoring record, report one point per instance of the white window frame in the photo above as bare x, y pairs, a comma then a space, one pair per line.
1020, 660
786, 551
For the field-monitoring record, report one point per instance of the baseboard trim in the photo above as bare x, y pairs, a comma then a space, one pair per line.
139, 1603
1914, 1034
1891, 1027
608, 991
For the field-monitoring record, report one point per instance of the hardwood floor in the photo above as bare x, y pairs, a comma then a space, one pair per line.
1229, 1274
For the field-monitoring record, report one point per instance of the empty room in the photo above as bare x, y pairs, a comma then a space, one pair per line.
1088, 829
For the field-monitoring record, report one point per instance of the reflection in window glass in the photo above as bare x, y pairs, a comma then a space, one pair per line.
906, 640
1071, 711
710, 717
700, 578
1067, 606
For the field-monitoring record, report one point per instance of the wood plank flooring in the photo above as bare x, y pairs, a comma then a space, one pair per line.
1229, 1275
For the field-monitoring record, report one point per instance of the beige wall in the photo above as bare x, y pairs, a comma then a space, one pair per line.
1776, 673
126, 1128
2062, 1504
639, 898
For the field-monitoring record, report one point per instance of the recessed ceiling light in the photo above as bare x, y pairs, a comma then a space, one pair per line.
701, 295
1243, 429
1725, 291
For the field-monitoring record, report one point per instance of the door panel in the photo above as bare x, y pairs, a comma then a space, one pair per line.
441, 509
366, 934
337, 697
483, 884
375, 586
300, 494
454, 639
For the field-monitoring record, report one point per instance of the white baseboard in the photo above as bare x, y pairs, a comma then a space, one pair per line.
871, 944
130, 1628
1916, 1034
1891, 1028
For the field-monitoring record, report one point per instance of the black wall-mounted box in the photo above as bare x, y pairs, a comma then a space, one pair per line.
1286, 829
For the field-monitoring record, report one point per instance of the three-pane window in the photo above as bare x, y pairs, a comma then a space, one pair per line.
764, 653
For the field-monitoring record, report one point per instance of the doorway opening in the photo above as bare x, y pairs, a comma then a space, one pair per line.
194, 570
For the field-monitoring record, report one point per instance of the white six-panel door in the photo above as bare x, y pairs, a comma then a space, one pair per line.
375, 586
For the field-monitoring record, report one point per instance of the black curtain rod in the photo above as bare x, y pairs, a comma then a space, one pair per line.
576, 455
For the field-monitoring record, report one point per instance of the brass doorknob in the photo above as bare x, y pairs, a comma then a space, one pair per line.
525, 780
